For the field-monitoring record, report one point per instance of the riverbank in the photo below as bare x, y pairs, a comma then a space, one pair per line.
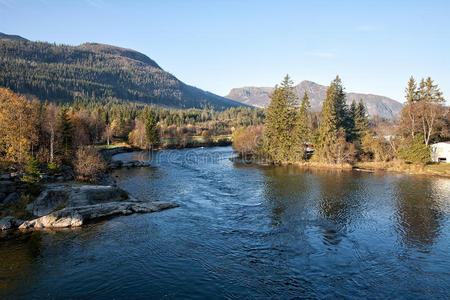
69, 204
433, 169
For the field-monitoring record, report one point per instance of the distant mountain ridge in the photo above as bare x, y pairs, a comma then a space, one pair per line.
95, 71
11, 37
259, 96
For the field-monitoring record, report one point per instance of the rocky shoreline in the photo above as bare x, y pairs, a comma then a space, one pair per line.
69, 204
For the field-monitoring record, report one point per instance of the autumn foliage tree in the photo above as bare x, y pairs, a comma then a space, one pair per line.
18, 126
247, 141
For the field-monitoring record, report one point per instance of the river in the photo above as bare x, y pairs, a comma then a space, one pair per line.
244, 231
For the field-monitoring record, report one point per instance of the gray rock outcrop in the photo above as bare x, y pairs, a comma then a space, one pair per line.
77, 216
9, 222
72, 205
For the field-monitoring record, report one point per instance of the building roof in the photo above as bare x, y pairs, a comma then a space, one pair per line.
440, 143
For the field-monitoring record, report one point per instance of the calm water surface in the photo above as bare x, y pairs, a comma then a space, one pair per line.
246, 232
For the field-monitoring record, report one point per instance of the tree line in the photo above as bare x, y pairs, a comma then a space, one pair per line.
344, 134
62, 134
62, 73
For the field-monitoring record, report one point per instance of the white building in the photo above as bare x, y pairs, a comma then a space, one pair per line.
440, 152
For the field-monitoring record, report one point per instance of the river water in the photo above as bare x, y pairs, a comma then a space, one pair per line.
244, 231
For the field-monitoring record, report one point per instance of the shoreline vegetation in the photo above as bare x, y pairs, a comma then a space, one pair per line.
432, 169
74, 143
63, 146
342, 136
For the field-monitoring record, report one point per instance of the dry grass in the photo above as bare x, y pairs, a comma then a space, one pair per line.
435, 169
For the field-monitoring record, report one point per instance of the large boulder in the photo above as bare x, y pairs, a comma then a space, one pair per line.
9, 222
5, 177
72, 205
72, 195
11, 198
7, 186
77, 216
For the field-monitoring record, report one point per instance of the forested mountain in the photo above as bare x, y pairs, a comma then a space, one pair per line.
259, 96
64, 73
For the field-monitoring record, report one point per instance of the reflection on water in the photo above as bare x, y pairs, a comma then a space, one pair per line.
244, 231
419, 213
18, 253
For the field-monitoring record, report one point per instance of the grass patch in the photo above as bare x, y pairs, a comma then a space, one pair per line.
439, 169
111, 146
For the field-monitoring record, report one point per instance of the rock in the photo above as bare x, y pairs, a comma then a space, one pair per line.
106, 179
2, 197
5, 177
10, 223
11, 198
115, 164
73, 195
59, 178
7, 186
77, 216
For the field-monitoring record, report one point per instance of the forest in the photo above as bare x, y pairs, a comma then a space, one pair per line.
47, 136
62, 73
343, 135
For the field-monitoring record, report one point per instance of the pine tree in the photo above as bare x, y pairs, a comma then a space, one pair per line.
337, 91
303, 125
66, 133
31, 171
361, 122
280, 123
411, 91
333, 118
350, 124
151, 129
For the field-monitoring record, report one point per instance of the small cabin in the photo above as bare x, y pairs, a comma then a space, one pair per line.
440, 152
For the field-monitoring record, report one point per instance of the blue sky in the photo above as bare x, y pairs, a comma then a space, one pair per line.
217, 45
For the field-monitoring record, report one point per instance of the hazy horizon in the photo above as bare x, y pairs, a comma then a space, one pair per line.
221, 45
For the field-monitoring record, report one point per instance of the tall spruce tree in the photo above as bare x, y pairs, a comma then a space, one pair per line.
303, 125
66, 133
279, 143
361, 122
333, 118
151, 129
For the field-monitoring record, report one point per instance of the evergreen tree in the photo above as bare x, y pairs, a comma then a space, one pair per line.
333, 118
280, 123
151, 129
66, 133
361, 122
338, 95
303, 125
350, 124
411, 91
31, 171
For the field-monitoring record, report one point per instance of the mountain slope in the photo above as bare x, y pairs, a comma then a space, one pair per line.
11, 37
95, 71
259, 96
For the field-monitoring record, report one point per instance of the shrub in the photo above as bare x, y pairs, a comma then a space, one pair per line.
376, 148
53, 168
247, 141
414, 150
88, 164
